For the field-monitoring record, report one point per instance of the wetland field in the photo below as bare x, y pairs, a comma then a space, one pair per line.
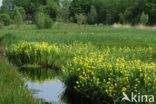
70, 65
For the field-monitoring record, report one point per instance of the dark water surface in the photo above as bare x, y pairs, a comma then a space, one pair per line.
44, 84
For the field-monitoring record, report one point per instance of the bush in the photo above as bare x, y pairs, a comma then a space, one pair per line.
48, 22
1, 24
42, 21
92, 16
18, 19
5, 18
144, 18
81, 18
39, 20
122, 18
21, 11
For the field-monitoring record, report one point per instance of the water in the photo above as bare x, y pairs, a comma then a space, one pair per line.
49, 91
44, 84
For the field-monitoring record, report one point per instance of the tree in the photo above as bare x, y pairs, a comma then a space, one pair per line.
111, 11
5, 18
1, 24
144, 18
21, 10
51, 8
43, 21
92, 16
7, 6
150, 9
80, 6
122, 18
30, 6
81, 19
18, 19
39, 20
65, 10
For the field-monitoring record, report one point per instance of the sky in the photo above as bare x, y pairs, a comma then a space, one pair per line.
0, 2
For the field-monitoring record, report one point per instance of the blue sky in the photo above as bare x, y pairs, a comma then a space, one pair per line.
0, 2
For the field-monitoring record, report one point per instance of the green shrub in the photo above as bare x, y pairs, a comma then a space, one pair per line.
1, 24
27, 22
6, 19
81, 19
39, 20
48, 22
144, 18
42, 21
21, 11
92, 16
18, 19
122, 18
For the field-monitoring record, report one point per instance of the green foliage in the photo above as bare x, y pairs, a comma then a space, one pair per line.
80, 6
12, 87
92, 75
65, 10
18, 19
112, 11
1, 24
144, 18
92, 16
48, 22
150, 9
81, 18
32, 53
21, 10
100, 39
6, 19
39, 20
6, 6
51, 8
30, 6
43, 21
122, 18
108, 11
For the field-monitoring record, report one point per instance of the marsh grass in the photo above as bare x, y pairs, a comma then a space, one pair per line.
138, 26
115, 25
75, 42
99, 36
12, 89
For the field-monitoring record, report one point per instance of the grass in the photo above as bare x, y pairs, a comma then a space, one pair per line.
12, 89
99, 63
98, 35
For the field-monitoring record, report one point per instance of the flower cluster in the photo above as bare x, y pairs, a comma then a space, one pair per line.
111, 71
31, 52
97, 73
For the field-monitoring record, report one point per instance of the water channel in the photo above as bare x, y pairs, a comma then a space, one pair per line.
45, 84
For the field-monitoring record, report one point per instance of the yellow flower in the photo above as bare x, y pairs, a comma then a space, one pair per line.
108, 83
124, 89
77, 82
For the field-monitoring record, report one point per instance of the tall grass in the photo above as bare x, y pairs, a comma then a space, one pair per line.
99, 63
138, 26
96, 34
12, 89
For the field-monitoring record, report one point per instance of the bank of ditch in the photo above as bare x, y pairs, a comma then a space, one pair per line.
12, 88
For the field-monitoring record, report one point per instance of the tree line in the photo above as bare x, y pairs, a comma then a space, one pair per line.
92, 11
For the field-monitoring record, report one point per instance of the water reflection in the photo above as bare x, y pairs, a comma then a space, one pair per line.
44, 83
